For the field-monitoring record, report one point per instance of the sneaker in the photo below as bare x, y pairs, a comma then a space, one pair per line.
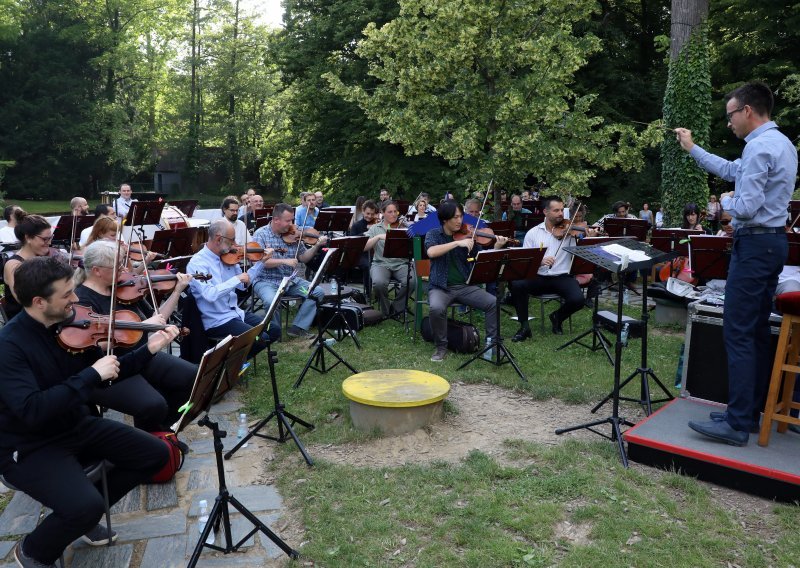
98, 536
295, 331
25, 561
439, 355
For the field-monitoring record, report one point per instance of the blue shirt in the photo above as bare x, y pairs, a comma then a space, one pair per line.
216, 298
764, 177
267, 238
300, 216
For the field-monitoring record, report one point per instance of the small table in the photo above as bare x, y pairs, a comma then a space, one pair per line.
395, 401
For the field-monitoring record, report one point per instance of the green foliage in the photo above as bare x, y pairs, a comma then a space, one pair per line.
488, 86
687, 103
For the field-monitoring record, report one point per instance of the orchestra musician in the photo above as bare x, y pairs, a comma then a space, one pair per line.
515, 214
79, 206
256, 203
369, 216
283, 263
13, 214
449, 272
554, 276
100, 211
619, 210
384, 269
46, 423
122, 204
35, 234
154, 395
216, 298
306, 215
230, 210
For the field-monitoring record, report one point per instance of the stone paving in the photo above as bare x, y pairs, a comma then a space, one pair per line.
157, 524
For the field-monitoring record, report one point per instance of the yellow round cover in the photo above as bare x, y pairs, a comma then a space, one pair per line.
395, 388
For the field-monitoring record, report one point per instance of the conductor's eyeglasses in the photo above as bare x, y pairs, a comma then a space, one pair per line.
729, 115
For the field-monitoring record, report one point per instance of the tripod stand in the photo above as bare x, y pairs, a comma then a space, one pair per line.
503, 265
220, 513
644, 372
285, 427
602, 258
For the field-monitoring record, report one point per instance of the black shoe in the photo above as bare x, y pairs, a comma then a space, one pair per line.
522, 334
26, 561
721, 431
723, 417
556, 324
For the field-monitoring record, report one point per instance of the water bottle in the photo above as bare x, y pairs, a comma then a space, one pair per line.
202, 521
334, 287
242, 431
624, 335
625, 297
330, 342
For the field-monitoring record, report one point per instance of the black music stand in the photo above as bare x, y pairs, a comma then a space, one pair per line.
175, 244
582, 266
207, 382
344, 253
62, 231
237, 358
186, 206
330, 220
710, 256
503, 265
673, 241
599, 257
144, 213
503, 228
626, 227
399, 245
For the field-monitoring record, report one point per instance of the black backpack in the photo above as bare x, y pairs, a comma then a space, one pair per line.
462, 337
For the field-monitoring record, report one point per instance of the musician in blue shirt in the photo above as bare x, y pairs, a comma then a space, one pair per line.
764, 179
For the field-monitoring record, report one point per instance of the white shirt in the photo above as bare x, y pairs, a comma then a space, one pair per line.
85, 236
242, 236
539, 237
7, 235
121, 207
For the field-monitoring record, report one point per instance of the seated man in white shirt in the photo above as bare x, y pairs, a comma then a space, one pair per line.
122, 204
216, 298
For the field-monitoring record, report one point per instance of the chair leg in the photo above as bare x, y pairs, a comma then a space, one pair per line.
104, 480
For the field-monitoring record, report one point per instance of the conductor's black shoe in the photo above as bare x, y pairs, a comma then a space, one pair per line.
26, 561
721, 431
522, 334
723, 417
556, 324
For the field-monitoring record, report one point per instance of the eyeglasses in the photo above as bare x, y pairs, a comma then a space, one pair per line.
233, 240
45, 239
728, 115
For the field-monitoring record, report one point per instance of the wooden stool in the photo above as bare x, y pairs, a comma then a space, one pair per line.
395, 401
784, 369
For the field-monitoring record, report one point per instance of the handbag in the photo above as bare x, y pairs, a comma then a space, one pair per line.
177, 450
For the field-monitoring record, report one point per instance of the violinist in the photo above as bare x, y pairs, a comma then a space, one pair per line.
105, 229
256, 202
102, 210
306, 215
357, 213
35, 234
46, 422
726, 229
369, 217
230, 210
123, 203
153, 396
385, 269
449, 273
13, 214
515, 214
79, 206
421, 210
619, 210
216, 298
280, 233
554, 276
691, 218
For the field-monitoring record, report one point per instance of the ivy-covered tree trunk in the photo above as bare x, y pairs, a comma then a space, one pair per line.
687, 103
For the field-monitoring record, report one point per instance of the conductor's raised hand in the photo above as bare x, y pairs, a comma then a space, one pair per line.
684, 137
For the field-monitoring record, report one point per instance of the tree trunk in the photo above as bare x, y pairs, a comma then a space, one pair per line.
686, 16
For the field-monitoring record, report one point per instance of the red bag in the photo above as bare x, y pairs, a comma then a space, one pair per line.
175, 462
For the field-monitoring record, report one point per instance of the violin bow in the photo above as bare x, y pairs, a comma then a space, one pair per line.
300, 238
72, 238
480, 214
147, 273
569, 226
115, 274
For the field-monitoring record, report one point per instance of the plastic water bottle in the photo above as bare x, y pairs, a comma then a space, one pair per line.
202, 521
626, 329
330, 342
242, 431
334, 287
625, 297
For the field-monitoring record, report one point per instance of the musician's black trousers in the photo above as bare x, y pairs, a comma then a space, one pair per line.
563, 285
54, 476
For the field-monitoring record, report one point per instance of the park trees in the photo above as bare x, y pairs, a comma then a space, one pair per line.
489, 86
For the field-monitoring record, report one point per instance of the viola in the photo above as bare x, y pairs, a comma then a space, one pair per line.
253, 251
133, 287
677, 268
308, 235
578, 229
86, 329
484, 237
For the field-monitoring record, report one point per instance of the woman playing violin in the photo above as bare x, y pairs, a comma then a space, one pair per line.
105, 229
554, 276
422, 209
164, 385
35, 234
385, 269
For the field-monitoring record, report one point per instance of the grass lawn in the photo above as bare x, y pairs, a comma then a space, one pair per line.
570, 505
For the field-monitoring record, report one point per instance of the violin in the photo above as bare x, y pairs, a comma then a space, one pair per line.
253, 251
138, 254
132, 287
293, 235
677, 268
578, 229
86, 329
484, 237
401, 223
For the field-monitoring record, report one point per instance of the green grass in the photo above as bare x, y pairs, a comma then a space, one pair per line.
42, 206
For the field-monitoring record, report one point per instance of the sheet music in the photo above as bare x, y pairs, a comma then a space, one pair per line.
621, 251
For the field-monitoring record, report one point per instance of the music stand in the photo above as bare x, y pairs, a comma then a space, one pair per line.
503, 228
144, 213
530, 220
626, 227
602, 258
710, 256
503, 265
674, 241
207, 382
176, 244
236, 359
399, 245
331, 220
62, 231
187, 206
343, 252
582, 266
